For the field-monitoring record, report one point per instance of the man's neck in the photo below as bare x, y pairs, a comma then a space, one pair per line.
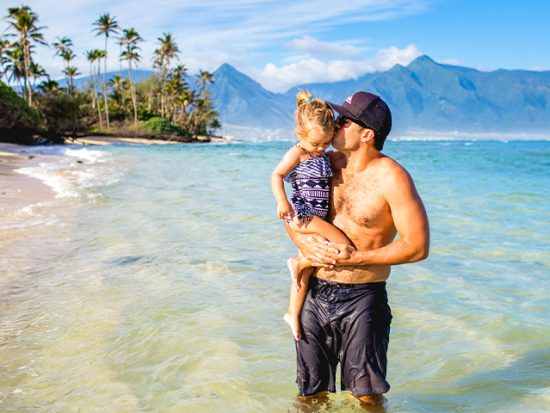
359, 160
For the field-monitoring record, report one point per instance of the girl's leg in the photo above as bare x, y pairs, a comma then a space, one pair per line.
314, 226
297, 298
301, 269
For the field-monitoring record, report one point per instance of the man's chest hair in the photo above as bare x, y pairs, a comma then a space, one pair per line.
360, 199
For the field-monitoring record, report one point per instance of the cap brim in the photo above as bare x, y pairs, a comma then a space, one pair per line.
343, 111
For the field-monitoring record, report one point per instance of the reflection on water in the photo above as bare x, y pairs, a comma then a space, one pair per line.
165, 291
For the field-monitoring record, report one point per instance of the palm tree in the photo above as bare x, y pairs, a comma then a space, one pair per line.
106, 25
117, 85
36, 72
5, 46
204, 115
63, 49
24, 22
130, 38
61, 45
167, 51
186, 100
176, 86
14, 65
203, 112
93, 56
48, 87
70, 72
203, 78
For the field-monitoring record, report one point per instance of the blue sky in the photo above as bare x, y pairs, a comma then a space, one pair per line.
281, 43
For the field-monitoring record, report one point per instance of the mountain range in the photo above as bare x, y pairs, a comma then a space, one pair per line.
424, 95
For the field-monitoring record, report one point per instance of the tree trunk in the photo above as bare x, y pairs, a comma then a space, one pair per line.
133, 92
96, 94
26, 63
65, 65
105, 85
95, 103
163, 94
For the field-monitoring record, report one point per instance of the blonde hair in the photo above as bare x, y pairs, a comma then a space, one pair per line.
312, 113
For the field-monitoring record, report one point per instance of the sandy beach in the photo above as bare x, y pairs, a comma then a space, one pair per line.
18, 190
109, 140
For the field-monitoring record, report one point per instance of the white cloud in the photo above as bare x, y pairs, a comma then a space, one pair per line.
391, 56
315, 47
249, 34
311, 70
211, 32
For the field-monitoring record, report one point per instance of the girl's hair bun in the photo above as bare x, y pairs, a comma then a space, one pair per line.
303, 97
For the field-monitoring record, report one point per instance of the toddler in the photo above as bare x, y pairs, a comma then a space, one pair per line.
307, 167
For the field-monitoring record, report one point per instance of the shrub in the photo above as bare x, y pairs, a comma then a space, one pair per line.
64, 114
18, 121
162, 126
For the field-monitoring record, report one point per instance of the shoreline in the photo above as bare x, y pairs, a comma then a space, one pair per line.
110, 140
17, 190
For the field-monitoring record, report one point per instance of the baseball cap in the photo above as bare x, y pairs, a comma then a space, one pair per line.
367, 110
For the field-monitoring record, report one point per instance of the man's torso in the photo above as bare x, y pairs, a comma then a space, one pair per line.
360, 210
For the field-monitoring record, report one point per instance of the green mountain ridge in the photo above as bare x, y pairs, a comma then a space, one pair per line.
422, 95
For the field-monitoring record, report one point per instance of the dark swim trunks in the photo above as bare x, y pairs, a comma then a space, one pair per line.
347, 324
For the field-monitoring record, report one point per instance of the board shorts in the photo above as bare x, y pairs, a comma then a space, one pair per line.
347, 324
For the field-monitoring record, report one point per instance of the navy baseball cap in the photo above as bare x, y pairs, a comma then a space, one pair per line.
367, 110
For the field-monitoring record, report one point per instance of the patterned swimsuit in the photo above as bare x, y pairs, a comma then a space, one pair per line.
310, 186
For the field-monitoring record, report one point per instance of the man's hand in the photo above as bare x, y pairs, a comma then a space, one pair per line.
322, 253
345, 253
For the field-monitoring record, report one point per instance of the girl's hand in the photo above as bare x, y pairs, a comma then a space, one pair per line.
284, 210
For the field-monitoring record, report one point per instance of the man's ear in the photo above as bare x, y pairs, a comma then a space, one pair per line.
368, 135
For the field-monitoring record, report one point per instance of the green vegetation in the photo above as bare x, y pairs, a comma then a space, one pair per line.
162, 126
164, 105
17, 120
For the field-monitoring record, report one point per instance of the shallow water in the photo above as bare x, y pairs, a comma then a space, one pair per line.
156, 282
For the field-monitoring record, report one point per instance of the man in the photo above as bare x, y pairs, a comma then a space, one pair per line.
346, 318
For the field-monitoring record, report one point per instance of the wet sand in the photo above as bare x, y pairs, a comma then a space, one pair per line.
18, 190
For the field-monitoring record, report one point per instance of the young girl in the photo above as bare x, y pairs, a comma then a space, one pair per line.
307, 167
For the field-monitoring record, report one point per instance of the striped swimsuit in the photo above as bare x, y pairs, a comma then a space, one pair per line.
310, 180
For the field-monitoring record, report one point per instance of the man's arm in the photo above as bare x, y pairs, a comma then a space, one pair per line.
410, 220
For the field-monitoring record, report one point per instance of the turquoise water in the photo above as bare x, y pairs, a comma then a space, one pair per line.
156, 282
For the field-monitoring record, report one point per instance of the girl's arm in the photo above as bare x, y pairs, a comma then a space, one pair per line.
289, 161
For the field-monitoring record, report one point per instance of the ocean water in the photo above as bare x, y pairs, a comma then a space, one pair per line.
156, 282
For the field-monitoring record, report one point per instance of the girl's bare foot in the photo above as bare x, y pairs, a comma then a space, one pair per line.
294, 325
294, 267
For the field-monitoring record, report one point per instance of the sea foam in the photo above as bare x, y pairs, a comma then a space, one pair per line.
71, 171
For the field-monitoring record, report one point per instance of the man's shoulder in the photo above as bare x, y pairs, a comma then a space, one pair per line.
391, 170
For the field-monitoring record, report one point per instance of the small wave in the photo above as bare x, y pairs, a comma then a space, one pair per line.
71, 179
88, 155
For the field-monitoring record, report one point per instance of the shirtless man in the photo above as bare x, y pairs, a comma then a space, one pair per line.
346, 318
